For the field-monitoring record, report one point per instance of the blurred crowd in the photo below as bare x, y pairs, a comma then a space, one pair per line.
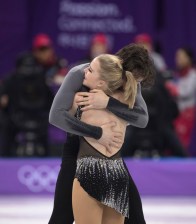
26, 94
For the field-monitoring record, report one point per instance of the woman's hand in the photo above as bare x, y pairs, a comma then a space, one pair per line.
95, 99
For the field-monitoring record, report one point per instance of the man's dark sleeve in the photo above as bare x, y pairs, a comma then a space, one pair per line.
137, 116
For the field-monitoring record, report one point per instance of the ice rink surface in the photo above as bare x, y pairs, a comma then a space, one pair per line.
37, 210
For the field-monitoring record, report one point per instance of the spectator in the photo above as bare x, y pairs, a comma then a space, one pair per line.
146, 40
26, 99
43, 55
183, 87
159, 136
99, 45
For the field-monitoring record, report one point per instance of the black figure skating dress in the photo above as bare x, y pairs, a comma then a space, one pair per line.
103, 178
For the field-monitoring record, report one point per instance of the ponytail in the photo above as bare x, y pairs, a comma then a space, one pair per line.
116, 78
130, 88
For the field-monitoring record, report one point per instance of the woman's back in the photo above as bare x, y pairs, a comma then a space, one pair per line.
100, 117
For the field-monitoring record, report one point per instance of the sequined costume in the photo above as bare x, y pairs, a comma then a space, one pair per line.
104, 178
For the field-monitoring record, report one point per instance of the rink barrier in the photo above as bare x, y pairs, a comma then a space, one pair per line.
152, 177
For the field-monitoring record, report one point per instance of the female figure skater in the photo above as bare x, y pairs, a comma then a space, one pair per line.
101, 181
135, 59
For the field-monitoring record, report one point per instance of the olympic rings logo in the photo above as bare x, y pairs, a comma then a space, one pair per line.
39, 178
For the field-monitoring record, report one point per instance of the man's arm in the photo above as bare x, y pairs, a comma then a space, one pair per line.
97, 99
137, 116
60, 117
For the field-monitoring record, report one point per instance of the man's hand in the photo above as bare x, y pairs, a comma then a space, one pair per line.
95, 99
110, 138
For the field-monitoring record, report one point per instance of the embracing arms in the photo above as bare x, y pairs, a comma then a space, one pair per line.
61, 118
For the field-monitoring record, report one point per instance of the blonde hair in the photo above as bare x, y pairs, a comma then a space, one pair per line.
112, 73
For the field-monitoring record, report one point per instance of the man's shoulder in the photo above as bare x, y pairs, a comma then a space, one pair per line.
79, 67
